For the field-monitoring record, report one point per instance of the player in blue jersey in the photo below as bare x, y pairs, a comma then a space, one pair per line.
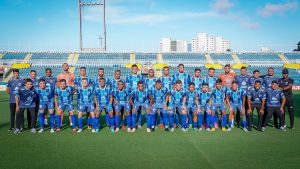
182, 76
254, 78
256, 100
12, 85
211, 79
82, 75
190, 106
139, 101
102, 75
269, 77
150, 80
46, 102
236, 99
203, 100
49, 79
176, 100
217, 103
131, 83
121, 101
197, 80
242, 81
275, 105
63, 99
166, 79
25, 100
104, 99
78, 83
160, 98
85, 103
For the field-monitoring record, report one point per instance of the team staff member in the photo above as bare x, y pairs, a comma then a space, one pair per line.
14, 84
286, 84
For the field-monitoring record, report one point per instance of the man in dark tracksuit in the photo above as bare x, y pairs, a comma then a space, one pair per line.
275, 105
14, 84
286, 84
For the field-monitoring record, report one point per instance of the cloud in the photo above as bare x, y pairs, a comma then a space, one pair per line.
118, 15
279, 8
222, 6
41, 20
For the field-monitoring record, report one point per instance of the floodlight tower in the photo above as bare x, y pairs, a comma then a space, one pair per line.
92, 3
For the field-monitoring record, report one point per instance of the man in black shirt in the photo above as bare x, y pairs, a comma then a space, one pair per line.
286, 84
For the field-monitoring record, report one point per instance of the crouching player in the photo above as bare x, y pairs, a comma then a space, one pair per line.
236, 99
85, 101
46, 102
190, 107
103, 100
203, 100
63, 99
120, 100
140, 102
217, 103
160, 98
176, 100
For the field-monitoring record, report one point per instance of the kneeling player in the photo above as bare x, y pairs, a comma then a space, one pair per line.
85, 101
141, 102
160, 99
103, 100
190, 106
46, 102
176, 100
217, 103
236, 98
63, 98
203, 99
121, 96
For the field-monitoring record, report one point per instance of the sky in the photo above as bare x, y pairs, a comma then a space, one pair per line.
139, 25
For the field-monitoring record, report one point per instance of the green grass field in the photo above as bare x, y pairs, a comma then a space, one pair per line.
236, 149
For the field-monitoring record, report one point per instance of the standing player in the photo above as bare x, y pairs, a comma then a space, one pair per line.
103, 100
35, 83
176, 100
50, 81
12, 86
102, 75
286, 84
166, 79
190, 107
131, 83
236, 99
140, 102
197, 79
203, 100
217, 103
243, 84
160, 100
254, 78
46, 102
63, 99
275, 105
25, 100
256, 100
78, 82
227, 77
182, 76
211, 79
85, 101
121, 101
150, 81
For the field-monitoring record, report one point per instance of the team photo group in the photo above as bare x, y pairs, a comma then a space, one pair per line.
178, 101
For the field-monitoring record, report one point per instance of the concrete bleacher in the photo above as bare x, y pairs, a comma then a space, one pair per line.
113, 61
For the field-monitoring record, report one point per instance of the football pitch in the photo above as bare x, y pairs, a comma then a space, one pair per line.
235, 149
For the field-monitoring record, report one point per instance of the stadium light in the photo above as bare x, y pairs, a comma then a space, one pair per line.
92, 3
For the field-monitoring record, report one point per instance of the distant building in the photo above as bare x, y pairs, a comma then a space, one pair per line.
205, 43
170, 45
266, 50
